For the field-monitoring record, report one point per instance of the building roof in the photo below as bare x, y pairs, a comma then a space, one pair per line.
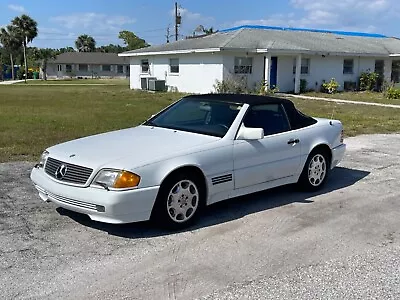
89, 58
278, 39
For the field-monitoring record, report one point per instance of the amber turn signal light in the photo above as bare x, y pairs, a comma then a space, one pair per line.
126, 179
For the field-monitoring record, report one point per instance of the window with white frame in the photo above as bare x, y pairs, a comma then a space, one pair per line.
348, 66
68, 68
174, 65
83, 67
305, 66
59, 68
396, 71
144, 65
243, 65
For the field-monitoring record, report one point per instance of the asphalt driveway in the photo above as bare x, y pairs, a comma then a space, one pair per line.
340, 243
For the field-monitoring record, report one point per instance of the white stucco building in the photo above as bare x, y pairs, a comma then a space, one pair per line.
280, 56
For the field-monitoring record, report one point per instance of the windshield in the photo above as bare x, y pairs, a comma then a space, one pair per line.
198, 116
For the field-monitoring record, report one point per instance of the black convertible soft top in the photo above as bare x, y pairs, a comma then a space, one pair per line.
296, 118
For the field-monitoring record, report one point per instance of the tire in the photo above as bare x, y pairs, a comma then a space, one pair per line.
179, 201
315, 171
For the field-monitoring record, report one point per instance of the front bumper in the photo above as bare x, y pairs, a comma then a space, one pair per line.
99, 204
338, 154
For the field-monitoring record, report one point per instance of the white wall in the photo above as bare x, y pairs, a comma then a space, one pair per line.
322, 68
197, 72
255, 78
285, 76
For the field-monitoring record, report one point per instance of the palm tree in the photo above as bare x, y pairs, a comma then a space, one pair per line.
43, 55
26, 29
208, 30
201, 30
2, 62
85, 43
11, 43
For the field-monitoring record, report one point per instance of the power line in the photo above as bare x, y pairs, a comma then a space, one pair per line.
104, 38
137, 32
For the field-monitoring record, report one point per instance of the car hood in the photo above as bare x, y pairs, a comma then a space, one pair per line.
133, 147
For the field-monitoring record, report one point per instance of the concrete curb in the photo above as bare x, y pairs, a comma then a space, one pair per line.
341, 101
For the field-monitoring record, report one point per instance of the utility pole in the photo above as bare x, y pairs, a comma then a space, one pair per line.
168, 34
178, 20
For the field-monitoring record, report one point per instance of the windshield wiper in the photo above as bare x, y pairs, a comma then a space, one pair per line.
150, 123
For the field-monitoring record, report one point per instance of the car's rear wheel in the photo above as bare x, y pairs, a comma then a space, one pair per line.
315, 171
179, 201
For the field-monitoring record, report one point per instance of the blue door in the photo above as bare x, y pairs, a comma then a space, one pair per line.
273, 80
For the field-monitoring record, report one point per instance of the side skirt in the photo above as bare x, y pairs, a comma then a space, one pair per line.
251, 189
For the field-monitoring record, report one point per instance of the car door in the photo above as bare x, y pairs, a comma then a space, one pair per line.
275, 157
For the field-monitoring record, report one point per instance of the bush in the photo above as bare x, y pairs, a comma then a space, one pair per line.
20, 74
392, 93
350, 86
303, 85
231, 86
30, 75
330, 87
368, 81
264, 89
71, 74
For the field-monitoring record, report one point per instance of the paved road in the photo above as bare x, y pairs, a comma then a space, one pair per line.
341, 243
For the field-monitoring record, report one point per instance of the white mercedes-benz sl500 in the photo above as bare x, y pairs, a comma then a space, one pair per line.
200, 150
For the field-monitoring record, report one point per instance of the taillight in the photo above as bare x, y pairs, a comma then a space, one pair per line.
342, 136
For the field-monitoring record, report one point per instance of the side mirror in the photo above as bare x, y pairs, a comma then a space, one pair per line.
246, 133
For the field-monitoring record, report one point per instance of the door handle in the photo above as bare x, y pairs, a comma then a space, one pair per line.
293, 141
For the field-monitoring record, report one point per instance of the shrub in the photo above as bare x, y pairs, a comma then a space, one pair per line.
392, 93
264, 89
330, 87
350, 86
231, 86
20, 74
71, 74
368, 81
30, 74
303, 85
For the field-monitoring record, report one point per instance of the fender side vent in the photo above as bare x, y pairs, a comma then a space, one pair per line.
221, 179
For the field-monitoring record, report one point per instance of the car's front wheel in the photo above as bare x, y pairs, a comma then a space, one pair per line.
179, 201
315, 171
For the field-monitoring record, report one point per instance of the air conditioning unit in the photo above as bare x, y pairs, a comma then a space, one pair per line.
156, 85
144, 82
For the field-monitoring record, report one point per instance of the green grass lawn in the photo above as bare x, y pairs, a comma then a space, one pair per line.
33, 117
356, 96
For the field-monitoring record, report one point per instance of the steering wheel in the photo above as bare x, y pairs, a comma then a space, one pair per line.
223, 125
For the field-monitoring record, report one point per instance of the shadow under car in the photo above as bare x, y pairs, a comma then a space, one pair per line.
229, 210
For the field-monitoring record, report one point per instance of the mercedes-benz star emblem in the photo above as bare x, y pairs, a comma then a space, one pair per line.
61, 171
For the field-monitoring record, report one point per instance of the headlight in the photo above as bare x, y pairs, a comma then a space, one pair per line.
117, 179
43, 158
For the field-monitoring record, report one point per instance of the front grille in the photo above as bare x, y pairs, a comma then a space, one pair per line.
74, 174
73, 202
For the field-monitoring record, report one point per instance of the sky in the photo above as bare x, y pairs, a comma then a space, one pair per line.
61, 22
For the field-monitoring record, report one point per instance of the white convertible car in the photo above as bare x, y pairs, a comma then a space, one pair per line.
200, 150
